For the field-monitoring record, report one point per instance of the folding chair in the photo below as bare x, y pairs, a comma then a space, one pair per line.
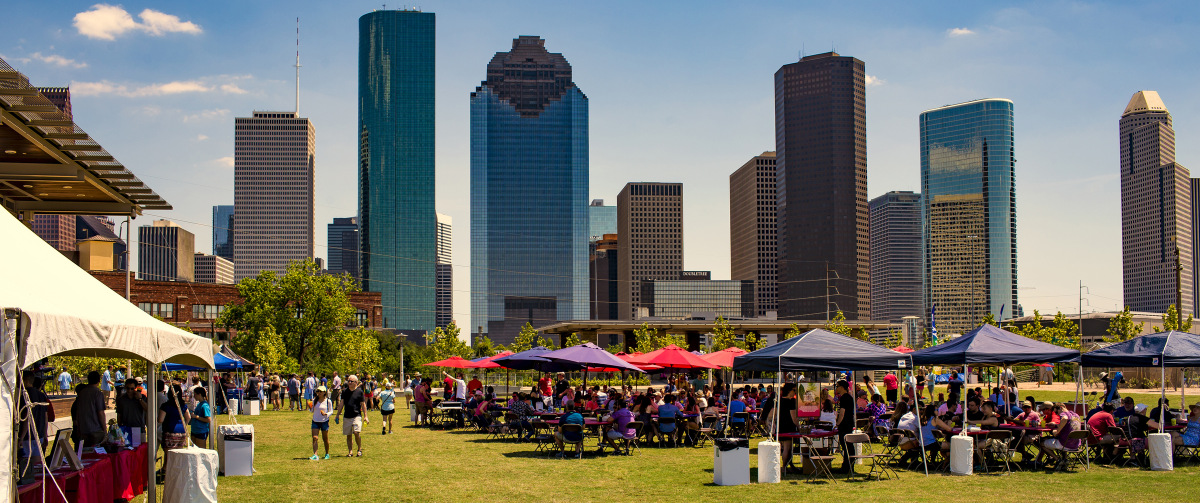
512, 426
739, 424
889, 441
1188, 453
1077, 456
542, 436
673, 434
707, 429
631, 440
864, 441
999, 449
820, 462
573, 428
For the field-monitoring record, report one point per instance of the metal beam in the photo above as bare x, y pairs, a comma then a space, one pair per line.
39, 171
76, 207
32, 108
80, 147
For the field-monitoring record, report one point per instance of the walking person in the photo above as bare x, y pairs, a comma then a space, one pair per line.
64, 382
321, 408
293, 391
106, 385
310, 387
386, 395
352, 406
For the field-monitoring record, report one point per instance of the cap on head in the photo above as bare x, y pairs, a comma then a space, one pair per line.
322, 389
1026, 404
1047, 405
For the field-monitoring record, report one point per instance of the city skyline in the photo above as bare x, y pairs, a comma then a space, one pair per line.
1067, 104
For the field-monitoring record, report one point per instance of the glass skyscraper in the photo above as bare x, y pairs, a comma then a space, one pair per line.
529, 193
396, 215
968, 213
602, 220
222, 225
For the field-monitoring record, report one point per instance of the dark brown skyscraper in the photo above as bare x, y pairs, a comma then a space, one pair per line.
821, 163
753, 236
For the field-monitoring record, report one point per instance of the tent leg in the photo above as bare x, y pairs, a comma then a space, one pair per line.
212, 435
151, 436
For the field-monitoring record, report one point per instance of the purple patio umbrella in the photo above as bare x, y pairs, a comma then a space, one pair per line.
589, 355
532, 359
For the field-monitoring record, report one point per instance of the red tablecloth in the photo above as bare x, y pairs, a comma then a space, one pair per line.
93, 484
129, 472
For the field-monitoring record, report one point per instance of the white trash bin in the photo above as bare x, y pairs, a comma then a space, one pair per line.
233, 406
250, 407
1161, 449
768, 462
731, 467
962, 455
235, 443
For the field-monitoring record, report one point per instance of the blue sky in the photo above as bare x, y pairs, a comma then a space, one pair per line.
678, 91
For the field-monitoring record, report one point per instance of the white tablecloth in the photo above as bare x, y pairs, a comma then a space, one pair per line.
191, 476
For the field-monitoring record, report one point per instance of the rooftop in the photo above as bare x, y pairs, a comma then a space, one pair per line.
1145, 101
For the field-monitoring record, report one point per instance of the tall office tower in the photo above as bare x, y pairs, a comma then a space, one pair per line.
968, 213
223, 232
343, 240
896, 256
821, 171
602, 270
166, 252
601, 220
1156, 210
445, 271
60, 97
649, 239
1195, 244
529, 193
754, 238
396, 214
57, 230
272, 191
213, 269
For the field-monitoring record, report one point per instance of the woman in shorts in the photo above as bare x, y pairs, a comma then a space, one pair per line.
322, 407
385, 395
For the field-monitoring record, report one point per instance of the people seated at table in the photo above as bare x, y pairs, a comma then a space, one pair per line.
877, 413
568, 417
643, 410
924, 431
1052, 447
869, 385
1167, 419
984, 414
949, 408
1126, 410
861, 400
621, 418
1050, 415
1000, 398
592, 403
1098, 430
1191, 436
524, 412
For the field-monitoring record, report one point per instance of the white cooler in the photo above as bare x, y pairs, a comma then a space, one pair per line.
768, 462
962, 455
249, 407
1160, 448
732, 467
235, 443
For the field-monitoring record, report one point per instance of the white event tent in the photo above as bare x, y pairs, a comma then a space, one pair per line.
52, 307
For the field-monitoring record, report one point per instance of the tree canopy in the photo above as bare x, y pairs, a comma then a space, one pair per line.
1173, 321
1121, 327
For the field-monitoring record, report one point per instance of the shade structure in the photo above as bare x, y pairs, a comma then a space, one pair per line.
902, 349
1163, 349
724, 357
820, 349
991, 345
457, 362
676, 357
531, 359
246, 364
220, 362
487, 363
590, 355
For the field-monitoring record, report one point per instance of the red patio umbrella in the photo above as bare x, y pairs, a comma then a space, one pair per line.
487, 363
902, 349
676, 357
457, 362
724, 357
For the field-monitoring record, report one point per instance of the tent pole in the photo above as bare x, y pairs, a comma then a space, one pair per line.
151, 436
212, 432
920, 426
1162, 409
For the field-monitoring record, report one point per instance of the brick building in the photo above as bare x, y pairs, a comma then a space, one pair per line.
195, 305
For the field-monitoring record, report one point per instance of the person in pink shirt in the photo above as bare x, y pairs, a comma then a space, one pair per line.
891, 385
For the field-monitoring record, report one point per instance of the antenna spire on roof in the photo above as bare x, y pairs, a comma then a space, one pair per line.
297, 67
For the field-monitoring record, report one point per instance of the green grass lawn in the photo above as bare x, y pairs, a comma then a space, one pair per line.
418, 464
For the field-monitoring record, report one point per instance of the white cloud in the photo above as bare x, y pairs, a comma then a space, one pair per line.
226, 161
107, 22
873, 81
201, 85
201, 137
959, 32
56, 60
206, 115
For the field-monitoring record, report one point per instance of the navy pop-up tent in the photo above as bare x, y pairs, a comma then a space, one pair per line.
1162, 350
990, 345
821, 350
220, 362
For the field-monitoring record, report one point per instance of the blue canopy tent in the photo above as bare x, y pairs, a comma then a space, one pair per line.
822, 350
1163, 349
991, 345
220, 362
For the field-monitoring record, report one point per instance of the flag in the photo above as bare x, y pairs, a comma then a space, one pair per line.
933, 323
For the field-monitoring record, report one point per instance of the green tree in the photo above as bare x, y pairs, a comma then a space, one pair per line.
304, 307
792, 332
271, 353
1121, 327
572, 340
646, 338
525, 339
838, 326
357, 350
1032, 330
751, 342
990, 319
722, 335
389, 352
1063, 332
446, 343
1172, 321
483, 347
894, 338
614, 348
